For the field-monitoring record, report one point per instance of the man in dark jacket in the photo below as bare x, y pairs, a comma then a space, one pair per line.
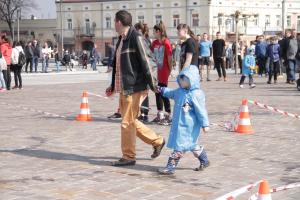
36, 54
260, 53
29, 56
132, 77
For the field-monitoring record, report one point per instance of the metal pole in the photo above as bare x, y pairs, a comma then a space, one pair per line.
283, 15
18, 24
62, 30
236, 44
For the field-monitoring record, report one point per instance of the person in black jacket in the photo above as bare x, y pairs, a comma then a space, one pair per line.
218, 55
29, 56
132, 83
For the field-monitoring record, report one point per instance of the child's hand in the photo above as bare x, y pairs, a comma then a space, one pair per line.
205, 129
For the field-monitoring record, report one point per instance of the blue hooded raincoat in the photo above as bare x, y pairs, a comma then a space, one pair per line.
249, 61
189, 115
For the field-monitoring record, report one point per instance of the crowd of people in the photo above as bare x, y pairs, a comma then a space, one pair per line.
18, 57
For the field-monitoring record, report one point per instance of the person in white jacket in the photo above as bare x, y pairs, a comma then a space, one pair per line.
46, 53
17, 67
3, 67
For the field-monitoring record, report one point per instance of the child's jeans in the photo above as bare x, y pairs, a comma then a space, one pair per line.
57, 66
2, 81
243, 79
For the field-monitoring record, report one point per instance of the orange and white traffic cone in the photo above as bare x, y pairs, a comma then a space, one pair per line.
244, 124
264, 191
85, 114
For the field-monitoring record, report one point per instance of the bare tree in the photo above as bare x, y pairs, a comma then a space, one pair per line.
9, 9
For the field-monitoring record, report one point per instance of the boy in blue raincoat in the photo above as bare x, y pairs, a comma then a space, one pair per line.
248, 68
189, 117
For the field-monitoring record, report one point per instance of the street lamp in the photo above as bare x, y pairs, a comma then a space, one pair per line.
18, 22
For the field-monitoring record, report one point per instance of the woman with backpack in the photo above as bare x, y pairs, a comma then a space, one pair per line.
18, 60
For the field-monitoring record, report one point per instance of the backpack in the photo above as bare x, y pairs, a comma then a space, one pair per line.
298, 84
21, 59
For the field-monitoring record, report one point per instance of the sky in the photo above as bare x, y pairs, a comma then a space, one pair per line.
46, 10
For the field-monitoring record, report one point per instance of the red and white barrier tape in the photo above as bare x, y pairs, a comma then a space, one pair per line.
274, 109
232, 195
281, 188
97, 95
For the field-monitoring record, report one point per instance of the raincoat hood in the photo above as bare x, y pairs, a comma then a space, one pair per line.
192, 73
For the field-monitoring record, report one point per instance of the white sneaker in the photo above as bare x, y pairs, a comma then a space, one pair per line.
252, 86
241, 86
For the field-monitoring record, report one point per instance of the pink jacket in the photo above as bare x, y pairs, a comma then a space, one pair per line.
6, 51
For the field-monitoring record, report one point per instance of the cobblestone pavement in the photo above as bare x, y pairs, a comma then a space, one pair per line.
46, 156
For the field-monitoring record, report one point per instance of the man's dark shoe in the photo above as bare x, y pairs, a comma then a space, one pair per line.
123, 162
157, 150
115, 116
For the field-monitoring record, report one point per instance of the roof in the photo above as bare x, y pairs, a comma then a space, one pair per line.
86, 1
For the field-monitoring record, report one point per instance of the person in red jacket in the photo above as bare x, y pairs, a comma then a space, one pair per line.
6, 50
162, 51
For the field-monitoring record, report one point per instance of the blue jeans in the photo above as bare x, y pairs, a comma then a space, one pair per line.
57, 66
45, 64
94, 62
35, 61
2, 81
291, 69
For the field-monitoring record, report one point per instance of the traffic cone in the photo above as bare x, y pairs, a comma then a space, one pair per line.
264, 191
244, 124
85, 114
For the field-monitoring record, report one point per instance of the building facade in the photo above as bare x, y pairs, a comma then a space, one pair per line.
85, 22
43, 30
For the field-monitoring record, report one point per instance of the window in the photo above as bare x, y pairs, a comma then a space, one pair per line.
141, 6
69, 22
87, 26
256, 21
141, 19
278, 20
158, 5
108, 22
86, 8
267, 21
176, 21
69, 9
195, 20
124, 6
158, 18
175, 4
298, 23
194, 3
288, 21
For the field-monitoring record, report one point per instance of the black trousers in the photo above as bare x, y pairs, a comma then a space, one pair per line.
274, 70
261, 62
219, 64
243, 79
28, 61
17, 75
162, 101
145, 106
7, 77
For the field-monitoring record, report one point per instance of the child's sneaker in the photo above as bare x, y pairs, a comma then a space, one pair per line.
202, 167
241, 86
252, 86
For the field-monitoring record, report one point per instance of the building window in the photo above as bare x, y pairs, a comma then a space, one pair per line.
195, 20
140, 6
69, 9
141, 19
124, 6
288, 21
175, 4
86, 8
256, 21
278, 20
194, 3
158, 19
298, 23
158, 5
267, 20
108, 22
69, 22
176, 20
107, 7
87, 26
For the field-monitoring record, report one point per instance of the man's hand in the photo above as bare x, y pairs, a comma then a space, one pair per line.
109, 91
205, 129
